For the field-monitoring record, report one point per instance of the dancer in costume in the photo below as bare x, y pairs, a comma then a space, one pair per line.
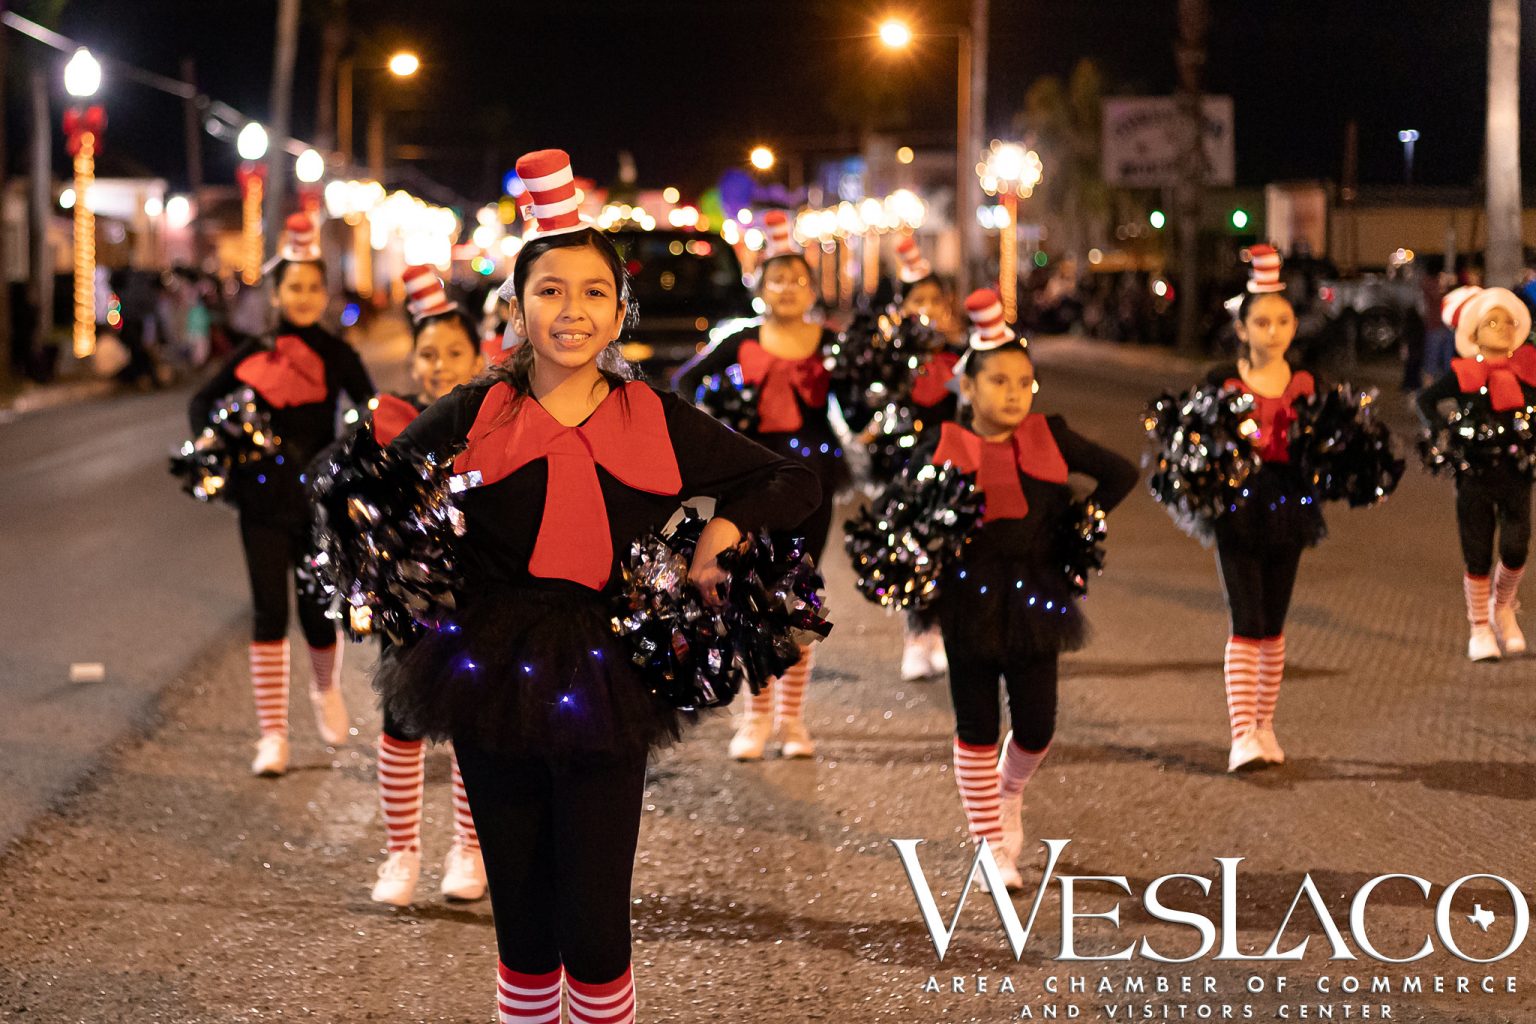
298, 373
1492, 453
444, 355
781, 362
564, 464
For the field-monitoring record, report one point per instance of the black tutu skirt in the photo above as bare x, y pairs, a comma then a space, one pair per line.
530, 672
1280, 508
1009, 611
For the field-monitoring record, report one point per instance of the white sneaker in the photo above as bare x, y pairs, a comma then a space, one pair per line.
1270, 744
463, 874
751, 738
1507, 628
1010, 813
915, 663
1483, 645
330, 714
797, 742
397, 878
271, 755
938, 661
1006, 869
1247, 752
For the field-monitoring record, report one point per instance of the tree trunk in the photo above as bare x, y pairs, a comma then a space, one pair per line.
1194, 19
1504, 257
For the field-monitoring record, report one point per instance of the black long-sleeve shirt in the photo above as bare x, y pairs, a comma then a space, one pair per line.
752, 487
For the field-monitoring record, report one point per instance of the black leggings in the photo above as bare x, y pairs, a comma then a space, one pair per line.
273, 553
1258, 582
559, 847
1483, 503
1031, 686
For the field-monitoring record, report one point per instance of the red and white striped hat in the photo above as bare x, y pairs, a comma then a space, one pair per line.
988, 328
913, 266
1454, 302
551, 192
1265, 275
424, 293
780, 241
301, 240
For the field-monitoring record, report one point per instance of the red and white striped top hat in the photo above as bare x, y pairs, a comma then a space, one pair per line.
913, 266
1265, 275
1455, 300
301, 240
988, 329
780, 242
424, 293
551, 192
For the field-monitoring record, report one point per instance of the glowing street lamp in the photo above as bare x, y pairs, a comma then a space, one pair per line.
762, 158
404, 64
895, 33
309, 167
1012, 172
83, 126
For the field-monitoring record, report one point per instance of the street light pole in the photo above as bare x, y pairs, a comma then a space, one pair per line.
966, 227
1502, 260
1408, 138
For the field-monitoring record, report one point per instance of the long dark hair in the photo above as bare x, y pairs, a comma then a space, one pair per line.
456, 316
517, 371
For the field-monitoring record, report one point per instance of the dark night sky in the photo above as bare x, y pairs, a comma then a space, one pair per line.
688, 85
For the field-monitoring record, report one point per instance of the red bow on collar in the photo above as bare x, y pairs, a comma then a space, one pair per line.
1501, 376
933, 377
390, 416
290, 373
1034, 453
634, 446
780, 381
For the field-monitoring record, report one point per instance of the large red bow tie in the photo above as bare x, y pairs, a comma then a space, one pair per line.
391, 415
632, 444
290, 373
932, 384
779, 381
1502, 376
1034, 453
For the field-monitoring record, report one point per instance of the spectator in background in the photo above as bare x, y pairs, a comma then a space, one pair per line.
1439, 340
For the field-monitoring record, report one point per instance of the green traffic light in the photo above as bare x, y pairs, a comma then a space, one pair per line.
1157, 219
1239, 218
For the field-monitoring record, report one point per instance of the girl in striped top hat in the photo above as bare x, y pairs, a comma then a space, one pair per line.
443, 356
783, 359
1494, 384
1006, 607
298, 372
565, 461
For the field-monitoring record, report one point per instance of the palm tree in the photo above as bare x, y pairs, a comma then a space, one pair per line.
1062, 120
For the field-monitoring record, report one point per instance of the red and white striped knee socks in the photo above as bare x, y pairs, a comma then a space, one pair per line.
527, 998
1241, 669
402, 775
1271, 671
788, 690
976, 776
1478, 589
464, 833
612, 1002
1506, 583
1018, 767
326, 663
269, 682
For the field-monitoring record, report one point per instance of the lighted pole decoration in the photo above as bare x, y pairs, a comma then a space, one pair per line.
83, 126
1010, 171
251, 144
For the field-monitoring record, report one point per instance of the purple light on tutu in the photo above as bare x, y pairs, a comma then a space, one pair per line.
303, 478
962, 574
566, 700
527, 669
983, 588
596, 653
824, 450
1049, 605
279, 460
450, 627
794, 442
1031, 600
468, 664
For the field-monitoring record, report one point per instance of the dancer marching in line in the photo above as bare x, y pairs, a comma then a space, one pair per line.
566, 462
1494, 385
782, 358
298, 373
444, 355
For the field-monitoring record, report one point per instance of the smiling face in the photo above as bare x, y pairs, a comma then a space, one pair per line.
786, 288
570, 308
445, 357
301, 294
1268, 328
1000, 388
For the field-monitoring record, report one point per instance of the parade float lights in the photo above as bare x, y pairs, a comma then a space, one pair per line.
83, 126
1010, 171
902, 210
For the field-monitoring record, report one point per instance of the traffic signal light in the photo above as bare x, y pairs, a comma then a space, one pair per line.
1239, 219
1157, 219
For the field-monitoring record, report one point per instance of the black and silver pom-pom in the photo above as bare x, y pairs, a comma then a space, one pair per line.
902, 542
385, 532
694, 656
1345, 448
1202, 453
239, 433
874, 362
729, 399
1470, 443
1080, 545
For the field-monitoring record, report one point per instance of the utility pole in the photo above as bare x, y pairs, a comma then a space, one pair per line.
41, 211
1503, 260
279, 161
1194, 21
193, 119
969, 199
